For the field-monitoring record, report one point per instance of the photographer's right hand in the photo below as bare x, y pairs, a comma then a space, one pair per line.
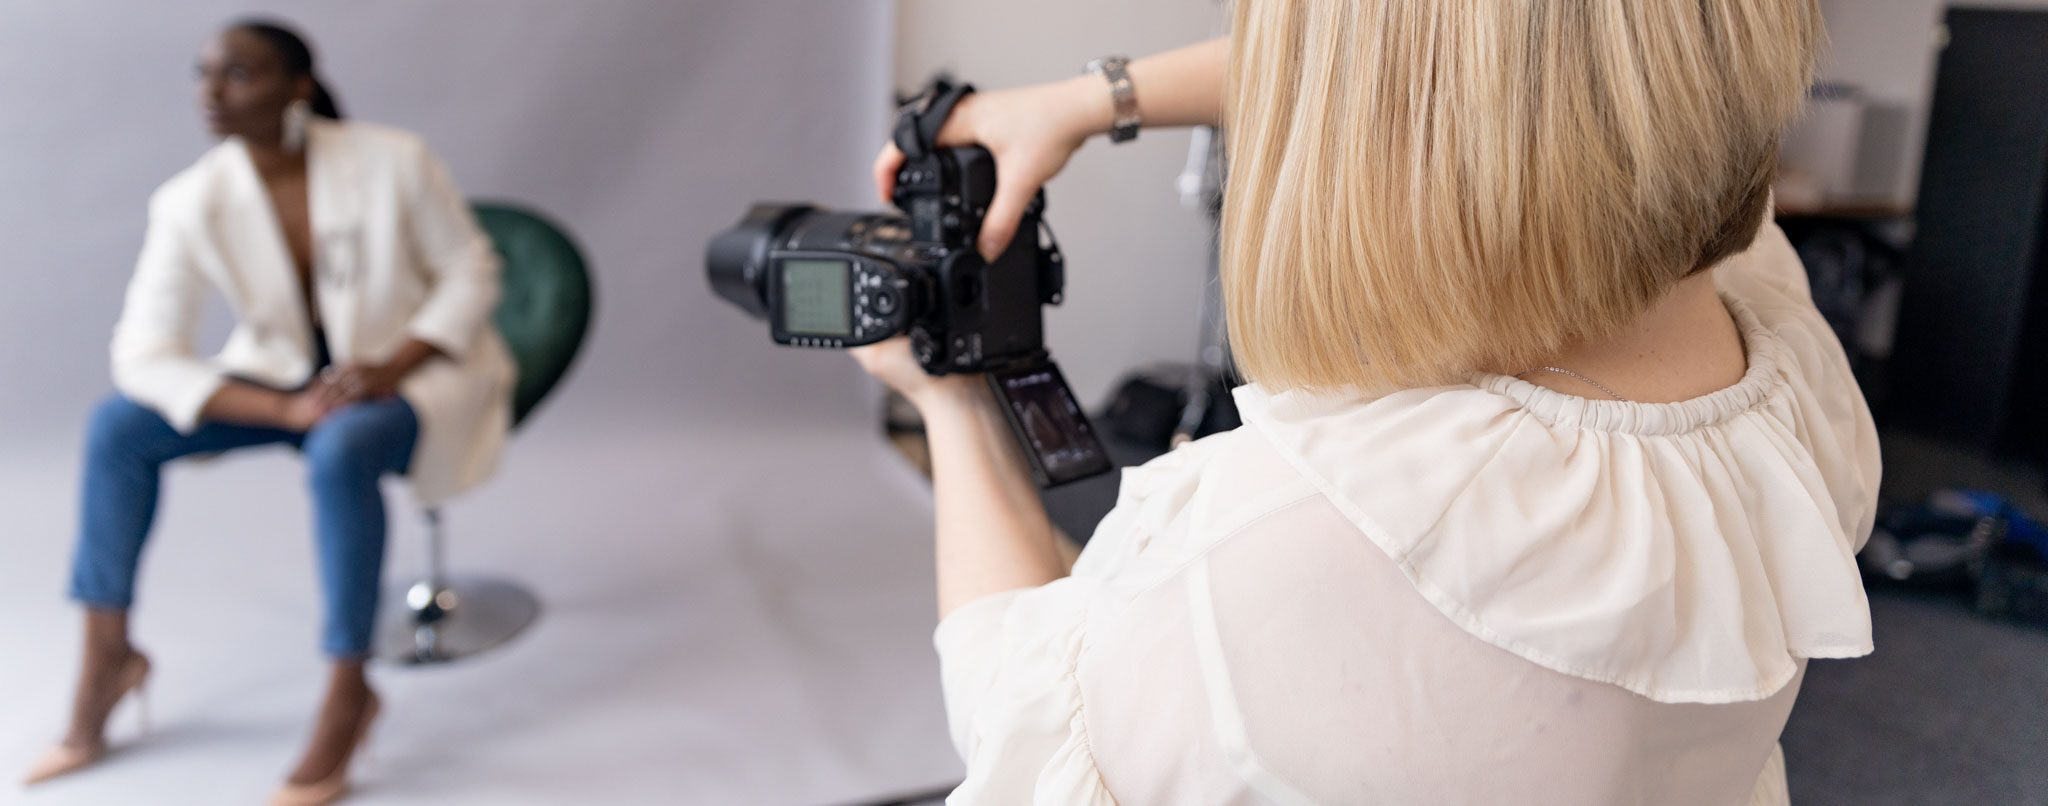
1031, 131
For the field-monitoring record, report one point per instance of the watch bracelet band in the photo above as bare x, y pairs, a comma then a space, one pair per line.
1124, 126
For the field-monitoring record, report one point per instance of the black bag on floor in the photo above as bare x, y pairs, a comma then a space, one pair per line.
1152, 404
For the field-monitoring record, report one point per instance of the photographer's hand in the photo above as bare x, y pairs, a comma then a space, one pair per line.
892, 364
993, 534
1033, 130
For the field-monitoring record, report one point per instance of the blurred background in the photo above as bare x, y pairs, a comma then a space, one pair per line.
733, 563
734, 572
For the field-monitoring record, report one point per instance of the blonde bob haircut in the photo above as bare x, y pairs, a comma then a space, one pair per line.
1424, 188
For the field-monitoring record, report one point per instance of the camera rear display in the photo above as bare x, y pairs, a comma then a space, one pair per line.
1062, 443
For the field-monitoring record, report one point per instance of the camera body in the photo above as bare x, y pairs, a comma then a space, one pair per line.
843, 279
837, 279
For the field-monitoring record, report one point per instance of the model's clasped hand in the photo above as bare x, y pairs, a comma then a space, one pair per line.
349, 383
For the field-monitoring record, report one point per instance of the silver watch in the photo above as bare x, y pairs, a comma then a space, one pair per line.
1125, 125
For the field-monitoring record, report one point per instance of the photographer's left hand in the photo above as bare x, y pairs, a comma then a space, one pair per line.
892, 363
993, 534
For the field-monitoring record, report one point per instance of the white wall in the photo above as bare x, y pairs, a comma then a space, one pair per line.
643, 125
1889, 49
1135, 257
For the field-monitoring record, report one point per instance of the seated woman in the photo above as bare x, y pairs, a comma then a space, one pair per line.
362, 290
1551, 478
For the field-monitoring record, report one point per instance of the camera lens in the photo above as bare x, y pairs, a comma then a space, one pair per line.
736, 259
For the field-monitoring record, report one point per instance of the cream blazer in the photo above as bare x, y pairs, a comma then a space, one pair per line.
397, 254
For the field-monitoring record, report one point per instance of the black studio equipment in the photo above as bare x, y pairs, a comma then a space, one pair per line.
833, 280
1971, 359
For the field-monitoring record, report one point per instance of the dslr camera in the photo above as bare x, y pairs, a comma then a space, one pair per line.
833, 280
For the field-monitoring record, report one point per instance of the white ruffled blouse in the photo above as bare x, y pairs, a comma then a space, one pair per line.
1483, 593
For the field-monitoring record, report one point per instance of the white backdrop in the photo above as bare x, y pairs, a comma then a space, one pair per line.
735, 571
643, 125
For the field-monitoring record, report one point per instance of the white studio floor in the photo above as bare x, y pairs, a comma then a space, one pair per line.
724, 622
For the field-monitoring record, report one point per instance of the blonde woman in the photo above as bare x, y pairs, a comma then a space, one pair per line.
1551, 478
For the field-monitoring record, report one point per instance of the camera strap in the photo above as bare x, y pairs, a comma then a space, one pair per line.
918, 122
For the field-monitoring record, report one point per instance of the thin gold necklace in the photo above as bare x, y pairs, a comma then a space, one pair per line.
1562, 371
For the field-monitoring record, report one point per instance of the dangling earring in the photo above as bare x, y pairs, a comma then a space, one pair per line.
295, 115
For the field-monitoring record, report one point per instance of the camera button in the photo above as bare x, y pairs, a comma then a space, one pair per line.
885, 302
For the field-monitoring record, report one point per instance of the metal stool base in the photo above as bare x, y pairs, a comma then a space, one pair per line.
426, 624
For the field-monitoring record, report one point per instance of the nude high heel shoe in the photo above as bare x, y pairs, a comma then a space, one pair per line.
335, 785
64, 759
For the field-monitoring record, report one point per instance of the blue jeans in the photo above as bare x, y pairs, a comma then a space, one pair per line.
127, 445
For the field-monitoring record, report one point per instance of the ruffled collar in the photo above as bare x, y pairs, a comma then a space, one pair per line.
1688, 552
